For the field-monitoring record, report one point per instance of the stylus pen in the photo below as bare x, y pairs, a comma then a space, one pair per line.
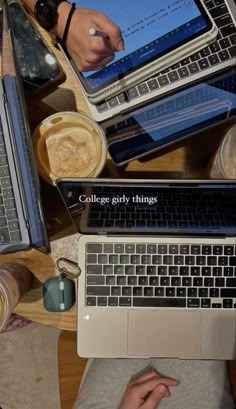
97, 33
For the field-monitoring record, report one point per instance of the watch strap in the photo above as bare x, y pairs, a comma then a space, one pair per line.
68, 21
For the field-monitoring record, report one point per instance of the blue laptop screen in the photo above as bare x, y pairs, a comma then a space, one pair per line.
157, 208
149, 29
172, 118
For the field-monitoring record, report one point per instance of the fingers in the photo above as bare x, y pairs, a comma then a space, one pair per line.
150, 384
112, 30
147, 375
158, 393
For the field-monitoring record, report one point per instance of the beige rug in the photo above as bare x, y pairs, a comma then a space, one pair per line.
28, 368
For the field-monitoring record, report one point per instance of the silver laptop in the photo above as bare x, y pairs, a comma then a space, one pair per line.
21, 219
212, 59
158, 267
180, 115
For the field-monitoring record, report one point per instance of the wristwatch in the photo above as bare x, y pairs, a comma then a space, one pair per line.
46, 13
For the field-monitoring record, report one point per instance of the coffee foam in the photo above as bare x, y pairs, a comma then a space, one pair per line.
70, 145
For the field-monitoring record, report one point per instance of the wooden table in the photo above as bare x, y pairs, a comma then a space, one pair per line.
187, 159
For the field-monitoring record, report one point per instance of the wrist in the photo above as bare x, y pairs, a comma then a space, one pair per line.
63, 12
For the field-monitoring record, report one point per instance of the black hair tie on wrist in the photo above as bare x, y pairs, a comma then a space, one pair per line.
68, 21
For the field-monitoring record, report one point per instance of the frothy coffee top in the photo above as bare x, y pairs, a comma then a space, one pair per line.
70, 145
76, 151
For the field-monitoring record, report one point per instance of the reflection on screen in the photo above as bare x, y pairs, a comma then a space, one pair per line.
148, 28
110, 207
174, 117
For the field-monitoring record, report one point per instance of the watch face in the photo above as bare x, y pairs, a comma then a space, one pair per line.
46, 13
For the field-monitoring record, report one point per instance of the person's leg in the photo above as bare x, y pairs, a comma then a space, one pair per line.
204, 384
105, 381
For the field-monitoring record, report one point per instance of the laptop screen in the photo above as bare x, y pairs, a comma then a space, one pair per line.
150, 29
149, 207
172, 118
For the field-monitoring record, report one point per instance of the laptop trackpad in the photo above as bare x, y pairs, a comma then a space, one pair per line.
164, 333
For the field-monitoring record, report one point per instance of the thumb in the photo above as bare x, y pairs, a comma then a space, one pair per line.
160, 392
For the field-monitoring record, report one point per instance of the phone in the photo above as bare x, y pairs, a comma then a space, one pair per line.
39, 68
156, 35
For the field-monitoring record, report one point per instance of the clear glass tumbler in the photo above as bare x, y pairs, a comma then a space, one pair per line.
224, 163
15, 280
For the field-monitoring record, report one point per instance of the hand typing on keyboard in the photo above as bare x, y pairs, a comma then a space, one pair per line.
146, 391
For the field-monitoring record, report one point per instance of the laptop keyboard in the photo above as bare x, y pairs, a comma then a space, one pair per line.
160, 275
9, 225
220, 51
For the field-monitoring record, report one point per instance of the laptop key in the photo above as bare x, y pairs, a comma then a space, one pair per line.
232, 261
154, 281
113, 301
116, 291
232, 51
193, 303
94, 269
181, 292
205, 303
193, 68
132, 93
143, 88
227, 303
110, 280
228, 271
129, 270
137, 291
223, 20
4, 236
121, 280
159, 302
98, 290
224, 55
125, 302
203, 292
102, 301
214, 292
94, 248
228, 292
95, 280
228, 250
216, 305
153, 84
163, 80
132, 280
91, 301
213, 59
231, 282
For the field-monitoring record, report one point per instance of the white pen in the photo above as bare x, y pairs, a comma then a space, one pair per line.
97, 33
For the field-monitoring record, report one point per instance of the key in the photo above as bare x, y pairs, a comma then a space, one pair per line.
159, 302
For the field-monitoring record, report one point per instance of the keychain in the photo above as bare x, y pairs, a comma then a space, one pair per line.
59, 292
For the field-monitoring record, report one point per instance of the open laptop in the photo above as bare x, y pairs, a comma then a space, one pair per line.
158, 267
212, 59
170, 119
21, 218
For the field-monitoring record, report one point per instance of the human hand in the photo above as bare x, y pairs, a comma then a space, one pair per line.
88, 52
146, 391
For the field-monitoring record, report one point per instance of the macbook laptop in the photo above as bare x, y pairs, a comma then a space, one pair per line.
158, 267
156, 35
212, 59
172, 118
21, 219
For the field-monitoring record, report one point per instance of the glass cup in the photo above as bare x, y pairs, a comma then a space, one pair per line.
224, 163
15, 280
69, 144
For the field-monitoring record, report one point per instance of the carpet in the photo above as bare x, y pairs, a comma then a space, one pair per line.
28, 368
